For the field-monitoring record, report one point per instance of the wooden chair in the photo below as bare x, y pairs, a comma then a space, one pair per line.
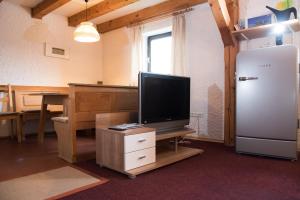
9, 115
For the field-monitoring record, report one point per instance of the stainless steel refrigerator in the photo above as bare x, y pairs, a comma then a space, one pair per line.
266, 102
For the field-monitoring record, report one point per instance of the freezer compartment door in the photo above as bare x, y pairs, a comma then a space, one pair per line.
266, 93
274, 148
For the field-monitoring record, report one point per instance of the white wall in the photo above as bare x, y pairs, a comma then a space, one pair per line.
117, 52
206, 68
22, 60
205, 61
116, 57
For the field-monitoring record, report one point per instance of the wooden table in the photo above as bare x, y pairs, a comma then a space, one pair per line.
50, 99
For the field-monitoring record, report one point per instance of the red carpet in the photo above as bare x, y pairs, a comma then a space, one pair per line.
218, 174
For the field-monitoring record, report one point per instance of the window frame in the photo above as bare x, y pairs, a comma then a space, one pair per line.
149, 40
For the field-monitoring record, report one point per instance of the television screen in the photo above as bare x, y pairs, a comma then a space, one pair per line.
163, 98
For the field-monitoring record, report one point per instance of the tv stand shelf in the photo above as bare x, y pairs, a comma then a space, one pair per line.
172, 134
111, 149
165, 157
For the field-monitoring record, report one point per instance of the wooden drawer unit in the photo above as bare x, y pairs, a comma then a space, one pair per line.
139, 141
133, 152
139, 158
125, 150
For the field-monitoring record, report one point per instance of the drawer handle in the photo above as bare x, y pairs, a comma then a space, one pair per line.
141, 157
142, 140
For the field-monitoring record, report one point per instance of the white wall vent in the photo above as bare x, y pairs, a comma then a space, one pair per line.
57, 52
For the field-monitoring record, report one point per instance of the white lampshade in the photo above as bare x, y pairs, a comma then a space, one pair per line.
86, 32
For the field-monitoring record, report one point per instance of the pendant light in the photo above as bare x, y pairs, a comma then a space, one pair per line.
86, 31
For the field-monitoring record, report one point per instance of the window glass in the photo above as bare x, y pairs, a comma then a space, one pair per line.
159, 53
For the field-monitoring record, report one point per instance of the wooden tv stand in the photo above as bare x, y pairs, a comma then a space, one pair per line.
146, 151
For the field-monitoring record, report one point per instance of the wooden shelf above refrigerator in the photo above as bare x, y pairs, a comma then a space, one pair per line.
266, 30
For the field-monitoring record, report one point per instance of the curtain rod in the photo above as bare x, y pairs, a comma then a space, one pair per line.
186, 10
182, 11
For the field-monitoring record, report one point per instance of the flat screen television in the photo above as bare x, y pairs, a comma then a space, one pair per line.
164, 101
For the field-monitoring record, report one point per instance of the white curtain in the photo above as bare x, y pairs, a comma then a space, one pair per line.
178, 45
136, 54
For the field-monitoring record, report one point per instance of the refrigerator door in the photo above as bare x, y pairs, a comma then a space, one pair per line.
266, 100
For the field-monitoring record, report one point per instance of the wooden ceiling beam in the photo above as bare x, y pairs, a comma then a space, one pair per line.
98, 10
45, 7
223, 20
161, 9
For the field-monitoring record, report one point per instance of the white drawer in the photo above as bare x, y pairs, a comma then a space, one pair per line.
139, 141
139, 158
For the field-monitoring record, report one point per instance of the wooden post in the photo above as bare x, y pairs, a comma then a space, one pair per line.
230, 53
43, 118
223, 20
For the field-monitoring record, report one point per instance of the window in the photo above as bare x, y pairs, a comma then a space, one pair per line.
159, 53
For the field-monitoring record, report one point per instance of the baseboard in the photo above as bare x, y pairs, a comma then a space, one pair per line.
27, 135
4, 137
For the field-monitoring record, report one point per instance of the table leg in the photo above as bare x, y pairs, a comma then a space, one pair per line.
12, 129
176, 144
19, 131
65, 102
42, 121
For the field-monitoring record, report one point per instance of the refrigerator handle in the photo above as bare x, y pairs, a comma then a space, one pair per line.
247, 78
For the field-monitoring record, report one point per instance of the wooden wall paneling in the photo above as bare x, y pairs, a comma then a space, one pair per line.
85, 101
108, 119
91, 101
230, 53
46, 6
88, 103
125, 101
98, 10
158, 10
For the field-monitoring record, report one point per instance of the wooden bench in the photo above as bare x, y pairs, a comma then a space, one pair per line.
85, 101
